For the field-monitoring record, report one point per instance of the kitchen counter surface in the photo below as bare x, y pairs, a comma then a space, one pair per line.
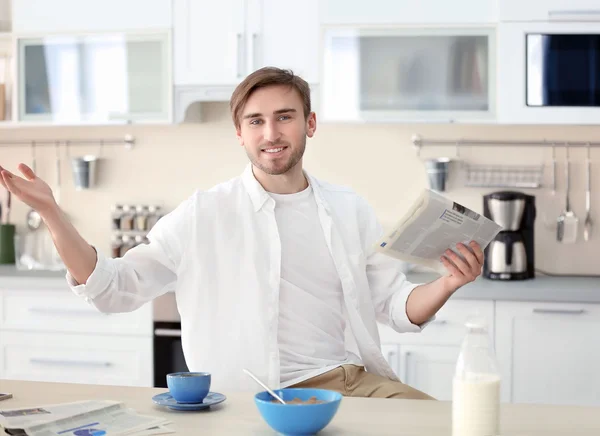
542, 288
356, 416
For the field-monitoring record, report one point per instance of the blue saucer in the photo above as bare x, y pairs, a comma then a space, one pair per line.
167, 400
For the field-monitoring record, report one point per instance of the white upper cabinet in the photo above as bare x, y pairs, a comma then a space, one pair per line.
284, 36
104, 78
209, 42
221, 43
408, 11
217, 44
63, 16
549, 10
409, 74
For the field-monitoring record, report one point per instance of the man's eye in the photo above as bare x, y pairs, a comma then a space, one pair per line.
284, 117
255, 122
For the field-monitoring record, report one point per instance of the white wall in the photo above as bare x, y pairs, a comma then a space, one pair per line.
168, 163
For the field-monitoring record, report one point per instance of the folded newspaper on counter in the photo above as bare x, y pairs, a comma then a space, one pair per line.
81, 418
433, 224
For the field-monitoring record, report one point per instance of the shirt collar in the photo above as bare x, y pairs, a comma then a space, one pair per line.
259, 196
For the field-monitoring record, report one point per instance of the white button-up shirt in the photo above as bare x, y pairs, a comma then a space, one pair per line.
220, 252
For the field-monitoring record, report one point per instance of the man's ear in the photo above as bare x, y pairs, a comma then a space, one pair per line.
311, 124
238, 134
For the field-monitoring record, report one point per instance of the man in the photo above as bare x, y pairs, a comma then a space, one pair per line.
273, 270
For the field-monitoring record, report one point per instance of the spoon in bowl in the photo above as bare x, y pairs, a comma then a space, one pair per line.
257, 380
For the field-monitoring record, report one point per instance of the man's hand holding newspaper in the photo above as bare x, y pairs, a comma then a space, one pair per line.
442, 235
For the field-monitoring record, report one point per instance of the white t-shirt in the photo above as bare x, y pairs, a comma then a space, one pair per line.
311, 316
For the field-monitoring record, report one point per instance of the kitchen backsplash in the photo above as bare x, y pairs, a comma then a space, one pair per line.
169, 162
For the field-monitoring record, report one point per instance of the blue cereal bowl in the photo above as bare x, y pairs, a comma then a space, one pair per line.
298, 419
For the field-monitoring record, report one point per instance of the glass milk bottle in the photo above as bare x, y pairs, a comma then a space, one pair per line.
476, 385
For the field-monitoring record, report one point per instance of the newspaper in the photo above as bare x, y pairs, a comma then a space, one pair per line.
81, 418
433, 224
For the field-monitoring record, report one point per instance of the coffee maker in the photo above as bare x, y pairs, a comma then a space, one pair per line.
509, 256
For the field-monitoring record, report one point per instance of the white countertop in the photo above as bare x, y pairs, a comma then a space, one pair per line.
356, 416
574, 289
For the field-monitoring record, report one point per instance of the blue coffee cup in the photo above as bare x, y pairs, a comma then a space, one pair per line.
189, 387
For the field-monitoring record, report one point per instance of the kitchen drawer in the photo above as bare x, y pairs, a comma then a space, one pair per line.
72, 358
63, 311
448, 327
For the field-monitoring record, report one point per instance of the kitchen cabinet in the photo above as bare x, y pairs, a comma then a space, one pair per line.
107, 78
221, 43
549, 10
76, 358
427, 360
65, 16
548, 352
44, 310
209, 42
408, 74
429, 368
216, 45
408, 12
391, 352
50, 334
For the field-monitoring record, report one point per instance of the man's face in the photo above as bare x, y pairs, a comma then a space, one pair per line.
273, 129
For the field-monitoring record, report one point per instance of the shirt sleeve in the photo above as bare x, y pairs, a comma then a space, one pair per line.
144, 272
389, 286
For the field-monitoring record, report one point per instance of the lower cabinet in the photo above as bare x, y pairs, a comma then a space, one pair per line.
50, 334
548, 352
429, 368
76, 358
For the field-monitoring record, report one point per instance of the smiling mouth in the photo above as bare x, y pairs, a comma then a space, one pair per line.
274, 150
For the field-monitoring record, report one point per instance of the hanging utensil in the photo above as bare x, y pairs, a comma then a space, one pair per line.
33, 219
587, 225
568, 223
266, 388
553, 170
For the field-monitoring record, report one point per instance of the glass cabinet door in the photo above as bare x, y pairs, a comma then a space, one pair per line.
94, 79
412, 74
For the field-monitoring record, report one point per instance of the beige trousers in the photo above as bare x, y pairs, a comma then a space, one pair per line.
354, 381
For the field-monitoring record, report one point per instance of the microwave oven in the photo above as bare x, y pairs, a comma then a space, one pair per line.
548, 73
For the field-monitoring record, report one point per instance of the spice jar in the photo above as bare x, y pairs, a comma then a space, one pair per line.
116, 245
117, 213
139, 239
128, 244
154, 214
127, 217
141, 218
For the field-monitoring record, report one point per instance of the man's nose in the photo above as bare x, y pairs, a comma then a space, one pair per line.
271, 133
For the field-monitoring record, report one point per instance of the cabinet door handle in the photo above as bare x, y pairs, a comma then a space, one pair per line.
239, 52
168, 333
45, 361
390, 354
583, 13
560, 311
253, 52
439, 322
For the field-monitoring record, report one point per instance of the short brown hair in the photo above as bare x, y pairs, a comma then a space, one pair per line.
261, 78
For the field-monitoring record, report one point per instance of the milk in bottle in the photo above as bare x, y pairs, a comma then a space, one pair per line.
476, 385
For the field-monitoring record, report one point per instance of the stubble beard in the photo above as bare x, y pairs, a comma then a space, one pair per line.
278, 169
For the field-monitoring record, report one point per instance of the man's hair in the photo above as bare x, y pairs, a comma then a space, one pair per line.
261, 78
